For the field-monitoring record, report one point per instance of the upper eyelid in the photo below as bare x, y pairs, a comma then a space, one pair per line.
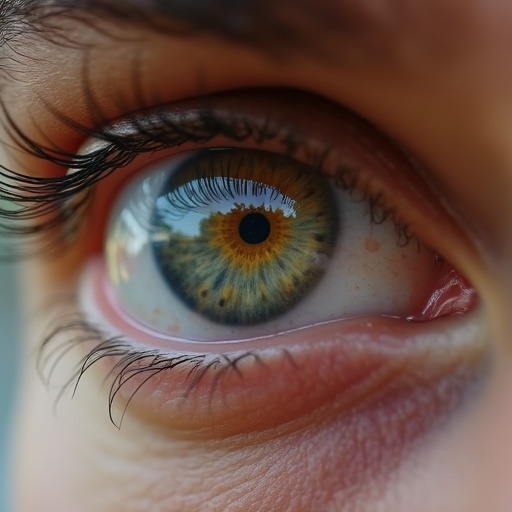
55, 205
44, 204
40, 197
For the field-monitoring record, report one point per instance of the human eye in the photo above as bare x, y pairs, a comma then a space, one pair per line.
240, 243
371, 286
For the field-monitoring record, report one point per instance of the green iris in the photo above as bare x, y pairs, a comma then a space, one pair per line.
241, 236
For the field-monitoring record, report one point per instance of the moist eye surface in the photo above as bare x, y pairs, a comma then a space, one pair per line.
238, 239
241, 236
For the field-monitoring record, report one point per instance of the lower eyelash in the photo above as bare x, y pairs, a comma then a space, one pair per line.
130, 362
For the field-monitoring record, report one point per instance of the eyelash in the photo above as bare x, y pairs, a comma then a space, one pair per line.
59, 205
130, 361
61, 202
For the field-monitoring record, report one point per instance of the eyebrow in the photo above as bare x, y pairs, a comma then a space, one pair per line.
271, 24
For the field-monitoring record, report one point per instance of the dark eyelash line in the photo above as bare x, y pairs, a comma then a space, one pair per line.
131, 362
61, 201
58, 204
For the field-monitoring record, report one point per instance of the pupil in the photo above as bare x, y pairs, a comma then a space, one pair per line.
254, 228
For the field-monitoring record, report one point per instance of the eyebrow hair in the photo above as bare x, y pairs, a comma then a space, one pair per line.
271, 24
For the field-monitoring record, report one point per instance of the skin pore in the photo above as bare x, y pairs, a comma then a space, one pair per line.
363, 415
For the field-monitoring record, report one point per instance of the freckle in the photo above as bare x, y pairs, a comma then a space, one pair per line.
173, 328
157, 311
371, 245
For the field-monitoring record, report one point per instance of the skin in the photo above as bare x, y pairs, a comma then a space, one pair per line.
438, 81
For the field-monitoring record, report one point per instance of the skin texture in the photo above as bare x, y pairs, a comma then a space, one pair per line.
380, 418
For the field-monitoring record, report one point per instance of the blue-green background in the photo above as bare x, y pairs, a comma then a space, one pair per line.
9, 347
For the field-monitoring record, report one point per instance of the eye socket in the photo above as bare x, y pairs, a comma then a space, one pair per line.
375, 281
231, 244
375, 267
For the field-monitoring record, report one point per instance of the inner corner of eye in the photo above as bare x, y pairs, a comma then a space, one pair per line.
236, 243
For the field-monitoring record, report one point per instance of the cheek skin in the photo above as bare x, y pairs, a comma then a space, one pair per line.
350, 443
472, 462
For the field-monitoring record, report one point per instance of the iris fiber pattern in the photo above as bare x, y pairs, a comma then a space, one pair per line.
241, 236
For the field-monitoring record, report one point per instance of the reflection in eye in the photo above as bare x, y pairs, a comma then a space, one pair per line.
241, 236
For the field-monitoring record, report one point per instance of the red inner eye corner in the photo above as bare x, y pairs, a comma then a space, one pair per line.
452, 295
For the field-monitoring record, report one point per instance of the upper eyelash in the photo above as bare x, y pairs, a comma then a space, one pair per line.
58, 203
54, 206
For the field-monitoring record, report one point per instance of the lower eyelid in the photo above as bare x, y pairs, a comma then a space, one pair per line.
243, 387
369, 390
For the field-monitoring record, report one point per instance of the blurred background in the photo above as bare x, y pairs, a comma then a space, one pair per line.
9, 346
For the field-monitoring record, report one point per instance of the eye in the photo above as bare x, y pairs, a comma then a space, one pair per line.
278, 232
251, 249
239, 243
238, 236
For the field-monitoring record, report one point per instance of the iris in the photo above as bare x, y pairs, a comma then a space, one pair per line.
241, 236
